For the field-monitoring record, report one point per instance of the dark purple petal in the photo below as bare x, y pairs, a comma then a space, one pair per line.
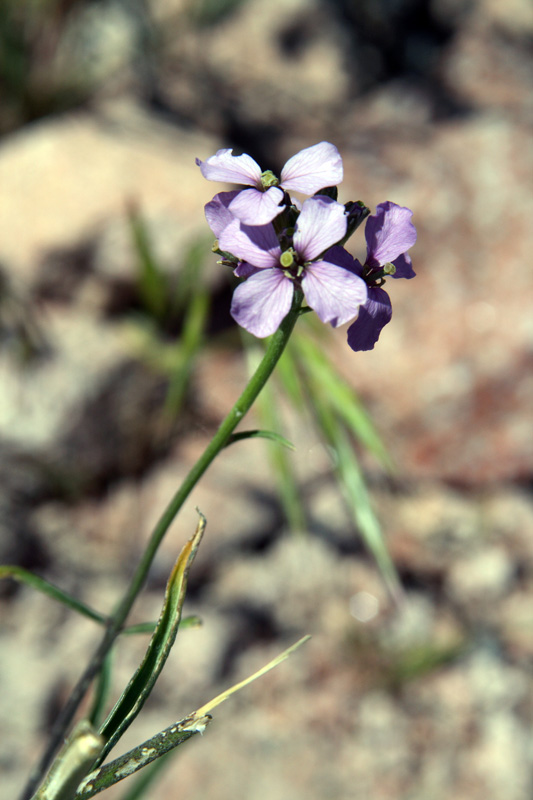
334, 293
312, 169
253, 207
404, 267
341, 257
389, 233
223, 166
244, 270
373, 316
257, 245
262, 302
216, 211
321, 224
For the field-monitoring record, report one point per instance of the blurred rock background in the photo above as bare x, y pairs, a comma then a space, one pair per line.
104, 107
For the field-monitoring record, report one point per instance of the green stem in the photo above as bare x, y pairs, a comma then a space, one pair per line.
263, 372
275, 348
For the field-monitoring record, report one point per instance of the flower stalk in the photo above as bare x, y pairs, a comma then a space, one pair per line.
219, 441
285, 251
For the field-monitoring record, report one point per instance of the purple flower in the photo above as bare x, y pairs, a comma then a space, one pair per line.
217, 211
264, 299
389, 234
308, 171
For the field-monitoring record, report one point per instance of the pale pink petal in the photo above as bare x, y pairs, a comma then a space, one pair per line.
321, 224
334, 293
312, 169
262, 302
257, 245
216, 211
257, 208
223, 166
389, 233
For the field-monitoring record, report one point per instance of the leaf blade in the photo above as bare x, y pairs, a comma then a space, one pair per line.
51, 590
143, 680
341, 397
261, 434
164, 741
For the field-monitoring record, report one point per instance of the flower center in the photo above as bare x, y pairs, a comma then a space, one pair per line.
268, 179
290, 264
287, 258
375, 276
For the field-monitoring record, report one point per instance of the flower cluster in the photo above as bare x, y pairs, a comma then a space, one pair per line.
279, 246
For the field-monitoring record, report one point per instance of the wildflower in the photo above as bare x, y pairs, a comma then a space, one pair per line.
308, 171
264, 299
217, 211
389, 234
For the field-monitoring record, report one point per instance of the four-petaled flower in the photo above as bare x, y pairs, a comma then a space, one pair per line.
264, 299
309, 171
278, 245
389, 234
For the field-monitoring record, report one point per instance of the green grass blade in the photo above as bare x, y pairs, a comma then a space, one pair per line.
153, 283
148, 627
358, 499
173, 736
420, 660
356, 493
146, 778
187, 348
340, 396
189, 280
206, 709
289, 376
142, 683
267, 407
101, 691
140, 757
23, 576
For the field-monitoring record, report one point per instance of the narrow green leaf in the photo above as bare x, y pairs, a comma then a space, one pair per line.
289, 377
356, 494
164, 741
358, 498
209, 13
283, 469
101, 691
42, 585
204, 710
146, 778
23, 576
419, 660
142, 683
153, 283
341, 397
141, 756
148, 627
261, 434
189, 280
187, 348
